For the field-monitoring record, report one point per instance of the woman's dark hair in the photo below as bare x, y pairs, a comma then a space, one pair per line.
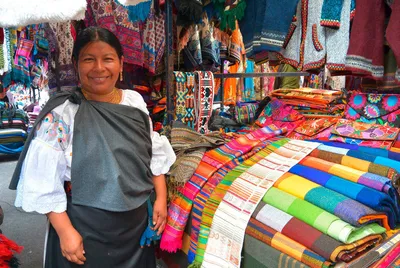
92, 34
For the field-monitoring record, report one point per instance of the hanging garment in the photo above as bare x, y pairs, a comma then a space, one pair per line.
138, 10
26, 12
366, 56
261, 28
114, 17
153, 41
192, 51
249, 93
310, 45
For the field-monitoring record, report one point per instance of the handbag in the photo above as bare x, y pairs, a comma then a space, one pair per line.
245, 114
315, 129
364, 134
382, 109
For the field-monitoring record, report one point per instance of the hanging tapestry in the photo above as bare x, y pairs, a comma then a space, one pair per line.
204, 98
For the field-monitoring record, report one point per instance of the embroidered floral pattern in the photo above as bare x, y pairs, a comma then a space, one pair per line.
352, 114
358, 101
391, 103
371, 111
374, 98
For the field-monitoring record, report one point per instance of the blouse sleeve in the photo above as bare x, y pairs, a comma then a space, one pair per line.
163, 155
41, 184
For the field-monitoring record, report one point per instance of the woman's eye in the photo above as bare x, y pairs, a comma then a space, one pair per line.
109, 59
88, 59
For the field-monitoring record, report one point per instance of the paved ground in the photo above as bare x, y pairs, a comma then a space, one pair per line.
27, 229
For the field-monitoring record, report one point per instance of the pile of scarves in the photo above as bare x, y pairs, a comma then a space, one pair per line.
253, 197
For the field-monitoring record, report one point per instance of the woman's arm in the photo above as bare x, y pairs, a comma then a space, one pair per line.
160, 205
71, 241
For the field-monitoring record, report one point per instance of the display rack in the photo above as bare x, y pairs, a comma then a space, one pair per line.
169, 64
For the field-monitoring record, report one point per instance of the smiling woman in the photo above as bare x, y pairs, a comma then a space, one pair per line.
90, 164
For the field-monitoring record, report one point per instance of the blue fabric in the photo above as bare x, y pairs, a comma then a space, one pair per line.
11, 148
370, 197
149, 234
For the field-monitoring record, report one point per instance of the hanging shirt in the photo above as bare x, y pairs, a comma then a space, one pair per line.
48, 161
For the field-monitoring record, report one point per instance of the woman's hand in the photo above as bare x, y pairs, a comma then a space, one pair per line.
71, 244
160, 214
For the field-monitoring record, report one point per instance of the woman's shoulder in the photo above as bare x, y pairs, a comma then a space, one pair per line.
134, 99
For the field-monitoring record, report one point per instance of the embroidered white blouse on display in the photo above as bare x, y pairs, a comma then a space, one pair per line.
48, 161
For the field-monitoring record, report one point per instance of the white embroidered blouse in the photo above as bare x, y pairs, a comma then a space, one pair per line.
48, 161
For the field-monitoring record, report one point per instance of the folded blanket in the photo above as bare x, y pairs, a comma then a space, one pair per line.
370, 197
284, 244
320, 219
357, 163
180, 207
335, 203
376, 159
234, 211
374, 181
311, 238
260, 255
368, 150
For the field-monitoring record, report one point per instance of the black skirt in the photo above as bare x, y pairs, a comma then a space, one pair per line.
110, 239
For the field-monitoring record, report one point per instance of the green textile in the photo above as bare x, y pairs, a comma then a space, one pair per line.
319, 218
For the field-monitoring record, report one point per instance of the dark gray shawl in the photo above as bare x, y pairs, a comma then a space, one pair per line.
112, 149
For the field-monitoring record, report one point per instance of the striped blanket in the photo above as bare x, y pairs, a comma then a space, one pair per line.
374, 181
363, 149
370, 197
318, 218
227, 231
213, 160
311, 238
356, 163
219, 192
376, 159
335, 203
284, 244
260, 255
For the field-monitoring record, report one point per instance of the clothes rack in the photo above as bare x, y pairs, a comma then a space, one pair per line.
169, 63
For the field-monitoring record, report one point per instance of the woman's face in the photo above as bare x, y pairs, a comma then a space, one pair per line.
98, 67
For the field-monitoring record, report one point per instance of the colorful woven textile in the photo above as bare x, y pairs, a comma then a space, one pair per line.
189, 100
363, 149
181, 92
391, 258
357, 163
364, 134
374, 181
227, 231
335, 203
318, 218
374, 255
284, 244
311, 238
281, 115
314, 129
180, 207
321, 96
219, 192
204, 98
258, 254
206, 191
370, 197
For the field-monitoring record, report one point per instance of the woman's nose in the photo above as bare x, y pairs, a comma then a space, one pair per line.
99, 65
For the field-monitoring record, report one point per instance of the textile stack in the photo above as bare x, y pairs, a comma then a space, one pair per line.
13, 126
244, 205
